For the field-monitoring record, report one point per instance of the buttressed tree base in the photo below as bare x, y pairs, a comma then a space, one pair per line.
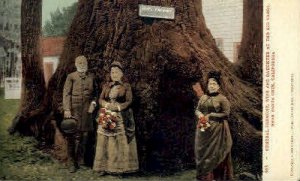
162, 59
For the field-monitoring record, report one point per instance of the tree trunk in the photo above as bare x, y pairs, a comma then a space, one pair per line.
33, 84
161, 58
249, 65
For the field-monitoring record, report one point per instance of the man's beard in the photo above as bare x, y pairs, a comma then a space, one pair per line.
81, 69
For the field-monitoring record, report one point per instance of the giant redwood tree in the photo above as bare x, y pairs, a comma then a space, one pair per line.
249, 65
33, 84
162, 59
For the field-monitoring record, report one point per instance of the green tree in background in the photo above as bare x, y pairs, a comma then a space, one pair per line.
60, 21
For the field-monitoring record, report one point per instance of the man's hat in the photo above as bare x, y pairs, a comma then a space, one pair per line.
69, 125
116, 64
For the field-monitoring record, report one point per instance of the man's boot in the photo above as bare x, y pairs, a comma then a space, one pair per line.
76, 154
73, 166
83, 151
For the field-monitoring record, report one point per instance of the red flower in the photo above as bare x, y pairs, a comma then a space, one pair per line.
203, 120
203, 124
107, 119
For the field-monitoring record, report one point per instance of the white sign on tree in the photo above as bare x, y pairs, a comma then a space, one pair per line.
156, 11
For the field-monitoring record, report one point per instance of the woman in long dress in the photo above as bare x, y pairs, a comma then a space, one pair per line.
213, 140
116, 150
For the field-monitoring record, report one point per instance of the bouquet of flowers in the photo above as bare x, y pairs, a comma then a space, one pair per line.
107, 119
203, 124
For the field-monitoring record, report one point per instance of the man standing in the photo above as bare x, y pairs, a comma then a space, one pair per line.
79, 101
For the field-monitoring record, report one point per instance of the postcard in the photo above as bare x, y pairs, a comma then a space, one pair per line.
183, 90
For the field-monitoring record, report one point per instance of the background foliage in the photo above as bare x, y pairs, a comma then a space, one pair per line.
60, 21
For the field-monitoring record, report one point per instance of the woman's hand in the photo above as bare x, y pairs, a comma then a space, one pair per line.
199, 114
202, 121
207, 117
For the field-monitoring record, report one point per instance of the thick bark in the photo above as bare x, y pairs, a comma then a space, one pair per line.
33, 84
249, 65
161, 58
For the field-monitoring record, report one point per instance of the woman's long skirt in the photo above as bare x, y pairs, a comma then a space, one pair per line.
113, 152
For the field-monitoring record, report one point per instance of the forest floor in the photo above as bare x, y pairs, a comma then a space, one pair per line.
20, 159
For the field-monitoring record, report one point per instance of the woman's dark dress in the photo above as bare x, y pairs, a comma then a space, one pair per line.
213, 146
